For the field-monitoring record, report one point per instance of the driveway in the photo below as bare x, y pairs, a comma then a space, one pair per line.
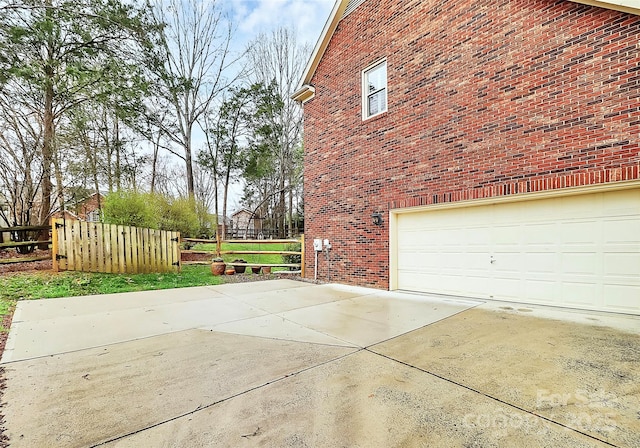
287, 364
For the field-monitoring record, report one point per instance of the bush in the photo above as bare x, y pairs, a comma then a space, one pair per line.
130, 208
207, 222
289, 258
178, 215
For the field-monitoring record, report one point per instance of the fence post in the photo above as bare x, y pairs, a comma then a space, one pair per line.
302, 255
54, 245
218, 244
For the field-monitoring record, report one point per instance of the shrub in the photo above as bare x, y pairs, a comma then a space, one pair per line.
289, 258
207, 222
178, 215
130, 208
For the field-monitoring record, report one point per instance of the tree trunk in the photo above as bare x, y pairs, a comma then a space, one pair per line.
224, 203
281, 209
189, 161
154, 163
116, 140
47, 153
290, 214
215, 203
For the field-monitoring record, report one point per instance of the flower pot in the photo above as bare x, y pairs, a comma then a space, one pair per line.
255, 269
218, 267
230, 271
239, 268
266, 269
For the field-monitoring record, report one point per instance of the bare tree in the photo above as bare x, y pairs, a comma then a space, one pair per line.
277, 59
22, 170
191, 70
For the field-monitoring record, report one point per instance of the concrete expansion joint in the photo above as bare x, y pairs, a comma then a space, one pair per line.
239, 394
506, 403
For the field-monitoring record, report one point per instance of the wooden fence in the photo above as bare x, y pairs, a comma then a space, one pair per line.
96, 247
25, 244
219, 252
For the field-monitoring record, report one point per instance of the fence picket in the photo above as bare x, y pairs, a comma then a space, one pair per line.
162, 251
97, 247
100, 247
135, 246
106, 251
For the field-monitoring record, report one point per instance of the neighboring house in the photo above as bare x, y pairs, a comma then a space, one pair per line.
87, 209
499, 142
245, 224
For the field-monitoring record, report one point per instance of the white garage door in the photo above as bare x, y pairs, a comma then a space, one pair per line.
579, 251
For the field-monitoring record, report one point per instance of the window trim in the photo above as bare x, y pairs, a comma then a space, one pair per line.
365, 94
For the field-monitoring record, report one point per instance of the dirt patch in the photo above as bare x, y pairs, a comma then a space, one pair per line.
44, 265
196, 257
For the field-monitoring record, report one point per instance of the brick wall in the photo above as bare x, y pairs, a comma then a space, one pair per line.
89, 205
486, 98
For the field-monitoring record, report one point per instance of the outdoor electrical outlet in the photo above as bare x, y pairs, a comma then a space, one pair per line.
317, 244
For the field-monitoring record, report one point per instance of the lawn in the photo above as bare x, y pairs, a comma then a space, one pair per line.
252, 258
45, 285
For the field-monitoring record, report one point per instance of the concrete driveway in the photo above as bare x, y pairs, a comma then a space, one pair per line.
288, 364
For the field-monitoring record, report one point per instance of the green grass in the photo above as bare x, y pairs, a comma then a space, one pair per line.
249, 258
30, 286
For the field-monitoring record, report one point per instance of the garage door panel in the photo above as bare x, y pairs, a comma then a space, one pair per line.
505, 287
507, 235
621, 298
540, 234
542, 292
540, 262
579, 232
624, 231
586, 263
580, 294
626, 264
623, 203
576, 251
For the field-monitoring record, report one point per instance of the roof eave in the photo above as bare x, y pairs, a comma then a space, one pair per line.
628, 6
304, 93
318, 51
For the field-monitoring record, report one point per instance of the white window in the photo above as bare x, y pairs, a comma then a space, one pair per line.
374, 90
94, 216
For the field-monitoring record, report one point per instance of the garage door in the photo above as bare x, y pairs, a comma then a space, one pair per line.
580, 251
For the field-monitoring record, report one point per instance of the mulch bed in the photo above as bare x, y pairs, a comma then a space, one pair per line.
44, 265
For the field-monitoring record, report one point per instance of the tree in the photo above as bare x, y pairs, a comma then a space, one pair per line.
58, 54
21, 173
190, 68
223, 155
277, 61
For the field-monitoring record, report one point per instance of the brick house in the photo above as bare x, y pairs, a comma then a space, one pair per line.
496, 145
86, 209
245, 224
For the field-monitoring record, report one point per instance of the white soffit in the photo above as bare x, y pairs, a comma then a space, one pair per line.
628, 6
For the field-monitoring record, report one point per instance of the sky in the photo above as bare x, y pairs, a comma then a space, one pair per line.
307, 17
252, 17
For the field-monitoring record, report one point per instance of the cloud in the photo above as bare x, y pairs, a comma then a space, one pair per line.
307, 17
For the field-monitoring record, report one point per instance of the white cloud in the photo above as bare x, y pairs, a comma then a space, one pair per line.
307, 17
